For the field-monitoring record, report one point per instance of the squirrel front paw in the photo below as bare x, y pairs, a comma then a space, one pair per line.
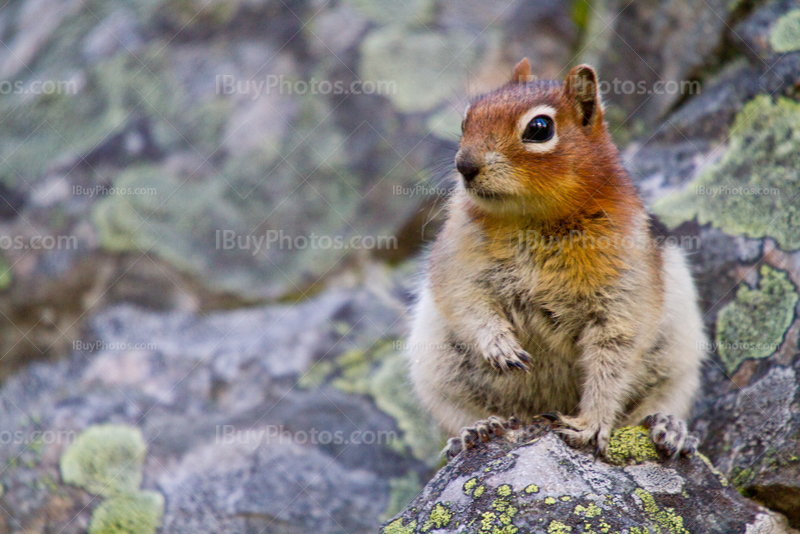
482, 431
579, 432
504, 352
670, 435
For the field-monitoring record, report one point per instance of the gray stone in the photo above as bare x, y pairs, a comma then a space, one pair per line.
542, 485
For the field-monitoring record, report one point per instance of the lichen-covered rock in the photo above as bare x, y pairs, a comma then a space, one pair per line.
543, 485
750, 191
754, 437
171, 120
650, 44
772, 28
394, 53
293, 415
734, 203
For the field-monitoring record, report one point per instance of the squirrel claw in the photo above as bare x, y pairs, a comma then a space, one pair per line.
670, 435
482, 431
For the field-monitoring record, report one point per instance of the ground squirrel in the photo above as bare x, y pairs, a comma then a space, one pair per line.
548, 288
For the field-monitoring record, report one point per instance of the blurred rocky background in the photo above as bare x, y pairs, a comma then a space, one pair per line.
175, 175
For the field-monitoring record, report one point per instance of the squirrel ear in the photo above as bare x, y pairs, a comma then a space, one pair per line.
522, 72
581, 90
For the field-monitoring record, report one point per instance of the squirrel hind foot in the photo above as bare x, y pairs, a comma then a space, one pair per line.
671, 435
482, 431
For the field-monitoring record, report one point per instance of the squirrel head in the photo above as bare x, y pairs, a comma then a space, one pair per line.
537, 147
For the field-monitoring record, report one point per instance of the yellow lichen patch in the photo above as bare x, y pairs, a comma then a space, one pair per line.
487, 520
135, 513
566, 498
469, 485
478, 491
666, 520
500, 522
557, 527
397, 527
532, 488
504, 490
440, 517
631, 443
550, 500
588, 511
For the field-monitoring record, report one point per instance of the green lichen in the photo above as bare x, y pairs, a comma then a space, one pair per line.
440, 517
742, 477
566, 498
752, 189
137, 513
487, 521
557, 527
785, 35
397, 527
550, 500
402, 490
504, 490
532, 488
469, 485
478, 491
500, 521
105, 460
665, 521
631, 444
754, 324
588, 511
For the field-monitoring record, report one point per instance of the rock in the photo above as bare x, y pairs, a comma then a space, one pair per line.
754, 177
736, 207
543, 485
640, 45
386, 11
292, 418
393, 56
119, 31
770, 29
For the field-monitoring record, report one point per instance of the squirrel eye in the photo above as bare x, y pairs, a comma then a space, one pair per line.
540, 129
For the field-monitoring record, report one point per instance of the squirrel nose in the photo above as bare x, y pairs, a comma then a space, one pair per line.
468, 166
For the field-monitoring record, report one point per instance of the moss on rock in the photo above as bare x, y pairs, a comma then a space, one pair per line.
105, 460
137, 513
631, 444
752, 189
785, 34
754, 324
